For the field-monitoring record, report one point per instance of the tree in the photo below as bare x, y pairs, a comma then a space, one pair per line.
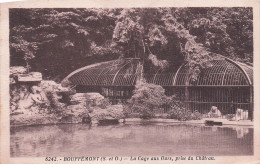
163, 38
47, 36
155, 35
27, 49
225, 31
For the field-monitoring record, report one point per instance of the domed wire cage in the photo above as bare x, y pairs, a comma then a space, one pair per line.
227, 84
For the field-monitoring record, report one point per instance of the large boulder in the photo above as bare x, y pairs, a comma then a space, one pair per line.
76, 114
78, 98
112, 112
57, 95
95, 98
17, 70
49, 85
47, 96
24, 97
14, 72
77, 109
90, 99
30, 77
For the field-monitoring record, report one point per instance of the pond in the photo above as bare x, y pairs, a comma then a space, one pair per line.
130, 139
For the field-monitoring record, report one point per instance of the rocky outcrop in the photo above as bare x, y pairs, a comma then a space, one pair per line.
94, 107
96, 99
77, 113
37, 103
48, 85
112, 112
17, 70
89, 99
73, 114
47, 102
53, 109
33, 119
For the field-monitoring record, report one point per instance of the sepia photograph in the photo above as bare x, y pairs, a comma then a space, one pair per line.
131, 84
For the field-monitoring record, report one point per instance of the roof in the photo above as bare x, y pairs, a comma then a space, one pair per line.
224, 72
111, 73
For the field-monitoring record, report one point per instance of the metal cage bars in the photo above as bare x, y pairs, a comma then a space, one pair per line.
222, 73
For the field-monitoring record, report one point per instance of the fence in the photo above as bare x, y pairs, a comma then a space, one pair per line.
229, 110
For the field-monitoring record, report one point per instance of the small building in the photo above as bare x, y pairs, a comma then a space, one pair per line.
228, 85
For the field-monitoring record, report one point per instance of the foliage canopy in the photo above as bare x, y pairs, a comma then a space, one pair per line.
58, 41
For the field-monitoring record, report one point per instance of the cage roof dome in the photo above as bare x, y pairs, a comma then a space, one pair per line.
224, 72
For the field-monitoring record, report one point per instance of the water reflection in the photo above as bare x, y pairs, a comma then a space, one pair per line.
241, 131
130, 140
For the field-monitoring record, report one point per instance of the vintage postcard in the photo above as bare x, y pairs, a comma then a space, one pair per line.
130, 81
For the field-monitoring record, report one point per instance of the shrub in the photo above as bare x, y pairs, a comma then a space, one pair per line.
182, 114
196, 115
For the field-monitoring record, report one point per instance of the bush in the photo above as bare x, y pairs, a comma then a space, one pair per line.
196, 115
143, 111
147, 97
183, 114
